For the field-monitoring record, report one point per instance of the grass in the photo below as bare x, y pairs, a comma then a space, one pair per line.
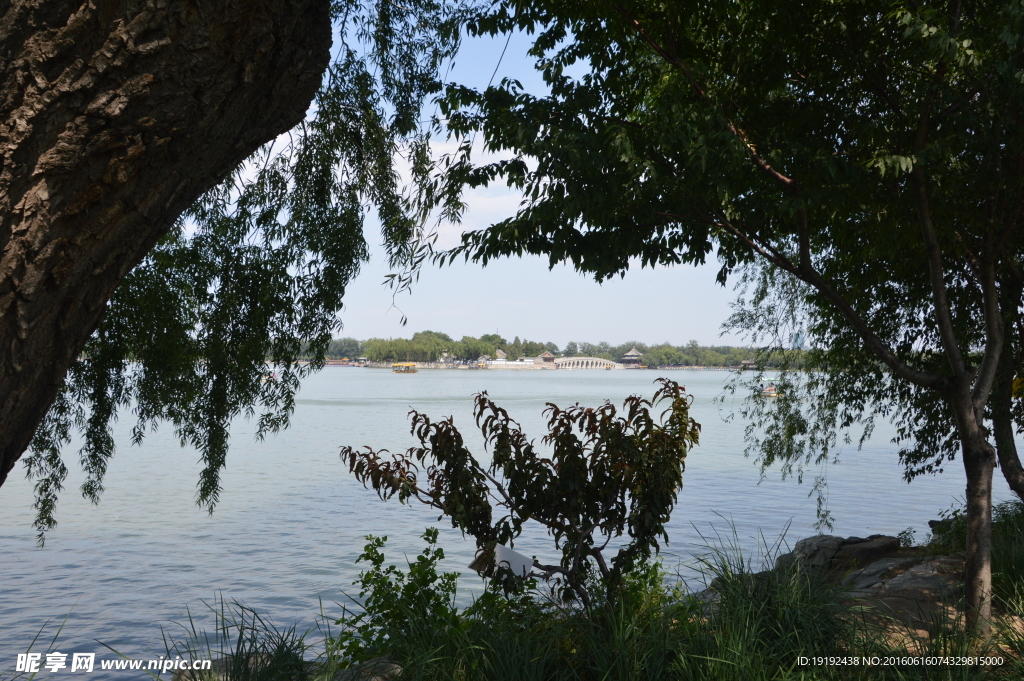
247, 646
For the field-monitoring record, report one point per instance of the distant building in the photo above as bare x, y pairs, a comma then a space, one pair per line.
544, 358
748, 364
500, 354
632, 357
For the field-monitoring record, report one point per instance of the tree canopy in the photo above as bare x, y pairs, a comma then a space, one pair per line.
860, 161
431, 346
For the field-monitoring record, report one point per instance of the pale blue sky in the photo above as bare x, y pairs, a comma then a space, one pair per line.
520, 296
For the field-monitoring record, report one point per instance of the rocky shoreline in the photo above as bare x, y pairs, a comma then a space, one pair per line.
891, 584
908, 585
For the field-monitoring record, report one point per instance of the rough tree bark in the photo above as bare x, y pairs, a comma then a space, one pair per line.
115, 115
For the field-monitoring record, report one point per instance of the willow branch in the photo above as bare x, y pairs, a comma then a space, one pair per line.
599, 557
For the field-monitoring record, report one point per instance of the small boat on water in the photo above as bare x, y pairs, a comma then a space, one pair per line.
404, 368
769, 391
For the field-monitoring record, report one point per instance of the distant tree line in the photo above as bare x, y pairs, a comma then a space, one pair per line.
431, 346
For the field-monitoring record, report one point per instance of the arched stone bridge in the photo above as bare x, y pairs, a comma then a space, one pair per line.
585, 363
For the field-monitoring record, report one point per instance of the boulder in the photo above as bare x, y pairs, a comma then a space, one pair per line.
825, 552
814, 554
707, 600
856, 552
860, 581
939, 576
940, 528
377, 669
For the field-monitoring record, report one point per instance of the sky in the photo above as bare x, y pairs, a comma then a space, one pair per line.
522, 297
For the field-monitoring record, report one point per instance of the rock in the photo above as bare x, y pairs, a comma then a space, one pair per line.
863, 579
708, 600
915, 592
939, 575
857, 552
752, 580
813, 553
940, 528
936, 577
826, 552
377, 669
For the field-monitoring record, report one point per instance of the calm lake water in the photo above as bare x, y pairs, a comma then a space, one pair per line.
292, 521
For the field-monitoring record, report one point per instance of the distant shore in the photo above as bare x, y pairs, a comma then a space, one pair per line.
516, 366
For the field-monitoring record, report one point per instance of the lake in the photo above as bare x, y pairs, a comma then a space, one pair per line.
291, 520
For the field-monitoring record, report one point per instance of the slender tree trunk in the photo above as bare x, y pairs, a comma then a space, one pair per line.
114, 117
979, 458
979, 462
1011, 291
1002, 426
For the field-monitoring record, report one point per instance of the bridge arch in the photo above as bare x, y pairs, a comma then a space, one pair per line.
585, 363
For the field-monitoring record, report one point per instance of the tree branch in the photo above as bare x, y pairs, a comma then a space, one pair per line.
785, 182
993, 339
933, 255
808, 274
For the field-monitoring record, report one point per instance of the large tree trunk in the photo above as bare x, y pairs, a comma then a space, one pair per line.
115, 115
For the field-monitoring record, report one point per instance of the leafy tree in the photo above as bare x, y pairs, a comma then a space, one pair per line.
665, 354
619, 351
494, 341
532, 348
515, 350
607, 474
863, 158
470, 348
255, 270
571, 349
345, 347
432, 336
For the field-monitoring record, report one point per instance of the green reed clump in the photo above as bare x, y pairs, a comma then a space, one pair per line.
245, 646
764, 622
